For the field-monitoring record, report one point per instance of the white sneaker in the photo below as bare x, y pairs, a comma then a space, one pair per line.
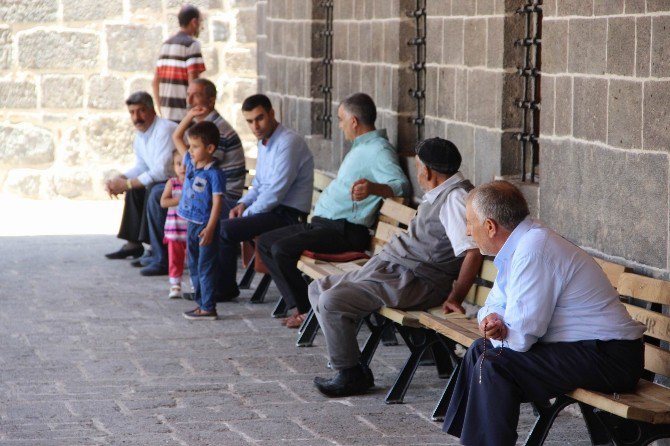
175, 292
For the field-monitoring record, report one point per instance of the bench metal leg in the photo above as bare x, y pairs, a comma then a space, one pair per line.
547, 415
308, 330
248, 276
625, 432
280, 309
259, 294
441, 408
419, 341
378, 326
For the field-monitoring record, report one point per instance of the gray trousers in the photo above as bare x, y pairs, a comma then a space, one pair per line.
340, 302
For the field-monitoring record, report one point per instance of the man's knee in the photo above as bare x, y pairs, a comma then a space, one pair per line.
286, 249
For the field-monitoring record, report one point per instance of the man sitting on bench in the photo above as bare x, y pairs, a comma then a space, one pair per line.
551, 323
419, 269
346, 208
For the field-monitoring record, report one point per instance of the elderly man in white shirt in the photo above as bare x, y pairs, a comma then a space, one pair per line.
153, 149
551, 323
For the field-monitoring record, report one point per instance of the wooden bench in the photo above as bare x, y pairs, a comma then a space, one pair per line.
253, 263
635, 418
394, 218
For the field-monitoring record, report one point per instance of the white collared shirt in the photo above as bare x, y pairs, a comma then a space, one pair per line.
549, 290
153, 152
452, 214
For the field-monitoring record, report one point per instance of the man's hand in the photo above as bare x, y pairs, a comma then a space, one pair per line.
206, 236
452, 306
237, 211
361, 189
197, 112
116, 186
493, 327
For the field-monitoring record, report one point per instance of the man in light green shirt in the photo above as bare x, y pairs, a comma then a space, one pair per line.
346, 209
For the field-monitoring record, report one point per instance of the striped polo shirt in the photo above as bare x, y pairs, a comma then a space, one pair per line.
179, 56
229, 156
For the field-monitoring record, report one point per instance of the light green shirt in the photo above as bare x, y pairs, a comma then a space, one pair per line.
372, 157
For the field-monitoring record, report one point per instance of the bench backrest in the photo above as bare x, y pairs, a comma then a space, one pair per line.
644, 298
394, 218
321, 181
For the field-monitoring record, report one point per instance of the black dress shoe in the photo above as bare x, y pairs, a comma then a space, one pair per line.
125, 253
352, 381
227, 296
152, 270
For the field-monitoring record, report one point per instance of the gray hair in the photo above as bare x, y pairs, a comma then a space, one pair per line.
362, 107
210, 88
140, 98
501, 202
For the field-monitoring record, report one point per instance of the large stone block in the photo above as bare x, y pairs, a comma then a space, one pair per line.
563, 113
495, 42
5, 48
590, 109
18, 94
141, 84
106, 92
657, 115
25, 183
72, 183
484, 98
463, 7
554, 46
660, 47
621, 46
657, 5
643, 50
587, 46
634, 6
203, 5
62, 92
434, 37
512, 90
624, 125
485, 7
461, 95
211, 56
391, 42
446, 93
71, 50
220, 30
149, 5
110, 137
38, 11
475, 36
240, 62
453, 42
463, 136
574, 7
431, 91
246, 26
607, 7
141, 54
24, 144
487, 155
548, 105
86, 10
626, 195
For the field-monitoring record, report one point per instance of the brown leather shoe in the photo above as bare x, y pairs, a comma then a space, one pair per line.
296, 320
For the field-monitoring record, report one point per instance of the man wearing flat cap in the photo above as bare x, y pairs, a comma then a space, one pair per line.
433, 263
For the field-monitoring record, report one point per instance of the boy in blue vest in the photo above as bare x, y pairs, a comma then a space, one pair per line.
200, 206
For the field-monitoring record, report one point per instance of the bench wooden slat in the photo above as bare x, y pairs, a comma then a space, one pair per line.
658, 325
439, 312
386, 232
321, 180
401, 317
649, 403
645, 288
450, 328
488, 271
480, 295
656, 360
397, 211
613, 271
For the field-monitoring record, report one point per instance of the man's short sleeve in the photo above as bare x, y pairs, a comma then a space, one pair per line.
194, 61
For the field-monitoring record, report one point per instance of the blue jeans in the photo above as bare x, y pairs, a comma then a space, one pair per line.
203, 264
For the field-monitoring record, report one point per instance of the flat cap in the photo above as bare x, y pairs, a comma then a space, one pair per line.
440, 155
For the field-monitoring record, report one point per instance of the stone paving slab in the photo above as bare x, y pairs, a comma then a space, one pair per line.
91, 353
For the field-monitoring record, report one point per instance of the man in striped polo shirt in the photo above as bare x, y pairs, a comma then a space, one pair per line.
230, 159
179, 63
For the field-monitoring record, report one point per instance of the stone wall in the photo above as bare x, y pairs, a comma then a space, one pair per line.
606, 127
605, 90
66, 67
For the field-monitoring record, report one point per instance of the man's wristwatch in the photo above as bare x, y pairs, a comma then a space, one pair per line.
129, 185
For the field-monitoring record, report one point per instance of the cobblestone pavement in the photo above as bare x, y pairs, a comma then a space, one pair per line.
91, 353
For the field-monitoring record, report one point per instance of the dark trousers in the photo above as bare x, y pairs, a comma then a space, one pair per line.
156, 224
134, 224
236, 230
487, 413
203, 266
280, 250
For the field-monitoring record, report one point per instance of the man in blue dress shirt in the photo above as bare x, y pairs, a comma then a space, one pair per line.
551, 323
346, 209
281, 192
